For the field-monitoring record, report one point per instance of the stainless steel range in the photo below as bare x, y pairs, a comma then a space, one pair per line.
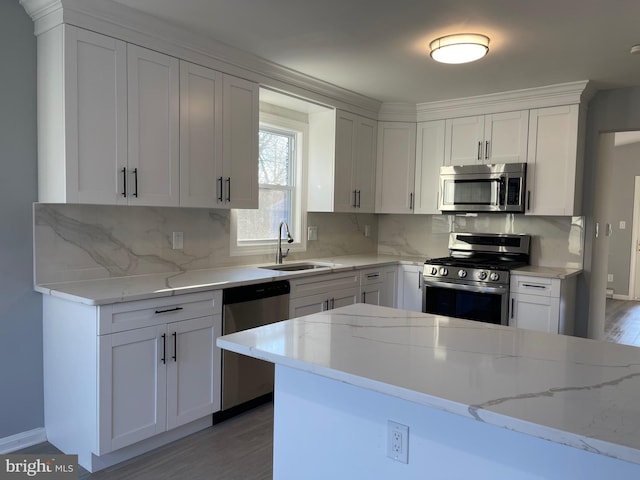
473, 282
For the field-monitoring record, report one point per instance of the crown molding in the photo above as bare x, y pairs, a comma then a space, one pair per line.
524, 99
122, 22
397, 112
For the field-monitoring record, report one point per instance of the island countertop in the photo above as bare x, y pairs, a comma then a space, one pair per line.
573, 391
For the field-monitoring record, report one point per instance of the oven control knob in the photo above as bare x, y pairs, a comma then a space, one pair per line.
462, 273
494, 277
444, 272
482, 275
434, 270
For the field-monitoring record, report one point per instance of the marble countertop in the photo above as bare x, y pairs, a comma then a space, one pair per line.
124, 289
548, 272
574, 391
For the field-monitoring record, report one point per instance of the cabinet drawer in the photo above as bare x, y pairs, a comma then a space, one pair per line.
541, 286
371, 276
321, 284
119, 317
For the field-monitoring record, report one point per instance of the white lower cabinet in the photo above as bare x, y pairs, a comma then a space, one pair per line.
378, 286
323, 292
542, 304
150, 372
410, 287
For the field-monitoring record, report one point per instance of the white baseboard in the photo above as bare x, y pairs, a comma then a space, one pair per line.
22, 440
621, 297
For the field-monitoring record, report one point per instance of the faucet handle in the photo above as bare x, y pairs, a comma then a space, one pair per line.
284, 255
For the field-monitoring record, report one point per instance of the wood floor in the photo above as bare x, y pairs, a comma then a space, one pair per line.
240, 448
622, 322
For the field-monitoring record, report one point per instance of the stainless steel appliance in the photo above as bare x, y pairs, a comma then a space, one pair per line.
483, 188
246, 379
473, 282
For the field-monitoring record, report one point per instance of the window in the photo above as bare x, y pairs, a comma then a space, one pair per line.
280, 196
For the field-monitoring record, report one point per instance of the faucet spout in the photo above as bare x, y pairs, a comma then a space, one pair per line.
279, 254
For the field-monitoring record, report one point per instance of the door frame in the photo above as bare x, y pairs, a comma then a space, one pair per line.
635, 233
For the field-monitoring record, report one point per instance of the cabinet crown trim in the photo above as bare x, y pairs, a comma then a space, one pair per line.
127, 24
523, 99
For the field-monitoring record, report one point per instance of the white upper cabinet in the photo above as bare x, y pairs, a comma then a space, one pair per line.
218, 139
429, 159
153, 120
200, 136
119, 124
492, 138
342, 153
555, 162
82, 116
396, 167
240, 120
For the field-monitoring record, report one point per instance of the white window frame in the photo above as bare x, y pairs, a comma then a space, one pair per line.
299, 203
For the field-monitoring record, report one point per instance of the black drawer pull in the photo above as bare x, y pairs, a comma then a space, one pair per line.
164, 348
530, 285
169, 310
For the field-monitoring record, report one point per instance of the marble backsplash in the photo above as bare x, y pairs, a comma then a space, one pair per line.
555, 241
84, 242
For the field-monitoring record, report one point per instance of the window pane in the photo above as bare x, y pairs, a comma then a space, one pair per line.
262, 224
275, 157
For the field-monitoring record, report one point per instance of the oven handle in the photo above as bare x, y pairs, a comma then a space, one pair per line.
469, 288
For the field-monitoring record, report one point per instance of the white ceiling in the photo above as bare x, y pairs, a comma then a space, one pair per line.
379, 48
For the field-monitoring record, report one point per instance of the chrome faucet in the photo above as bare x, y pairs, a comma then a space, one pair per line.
279, 254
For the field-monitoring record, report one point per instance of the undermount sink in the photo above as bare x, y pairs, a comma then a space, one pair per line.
295, 267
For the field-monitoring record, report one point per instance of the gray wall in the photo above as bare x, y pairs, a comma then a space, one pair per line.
626, 166
609, 111
21, 402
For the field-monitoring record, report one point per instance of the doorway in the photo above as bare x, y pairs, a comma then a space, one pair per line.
622, 310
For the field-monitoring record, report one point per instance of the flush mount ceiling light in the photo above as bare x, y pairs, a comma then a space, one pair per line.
459, 48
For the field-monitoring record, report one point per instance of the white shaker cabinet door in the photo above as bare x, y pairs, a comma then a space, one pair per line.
240, 142
534, 312
132, 386
193, 370
464, 140
506, 137
344, 192
429, 159
154, 118
365, 164
200, 136
395, 176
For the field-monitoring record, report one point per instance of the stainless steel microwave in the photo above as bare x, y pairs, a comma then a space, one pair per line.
483, 188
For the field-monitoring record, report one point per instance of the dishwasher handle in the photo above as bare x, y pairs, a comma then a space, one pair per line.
246, 293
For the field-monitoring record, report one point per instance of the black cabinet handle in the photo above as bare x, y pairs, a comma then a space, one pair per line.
219, 196
486, 150
175, 309
358, 198
411, 201
512, 307
124, 181
528, 199
175, 346
355, 199
164, 348
364, 297
419, 280
479, 150
228, 189
135, 182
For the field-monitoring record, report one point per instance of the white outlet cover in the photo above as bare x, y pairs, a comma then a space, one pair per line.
397, 441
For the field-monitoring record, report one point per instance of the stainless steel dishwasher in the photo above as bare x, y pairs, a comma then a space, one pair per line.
246, 379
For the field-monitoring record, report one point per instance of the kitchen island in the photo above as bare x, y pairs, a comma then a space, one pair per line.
480, 400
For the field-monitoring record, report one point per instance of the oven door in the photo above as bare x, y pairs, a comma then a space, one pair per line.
488, 304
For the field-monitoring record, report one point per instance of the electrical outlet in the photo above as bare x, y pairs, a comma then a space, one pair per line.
610, 277
367, 230
397, 441
623, 225
312, 233
177, 241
